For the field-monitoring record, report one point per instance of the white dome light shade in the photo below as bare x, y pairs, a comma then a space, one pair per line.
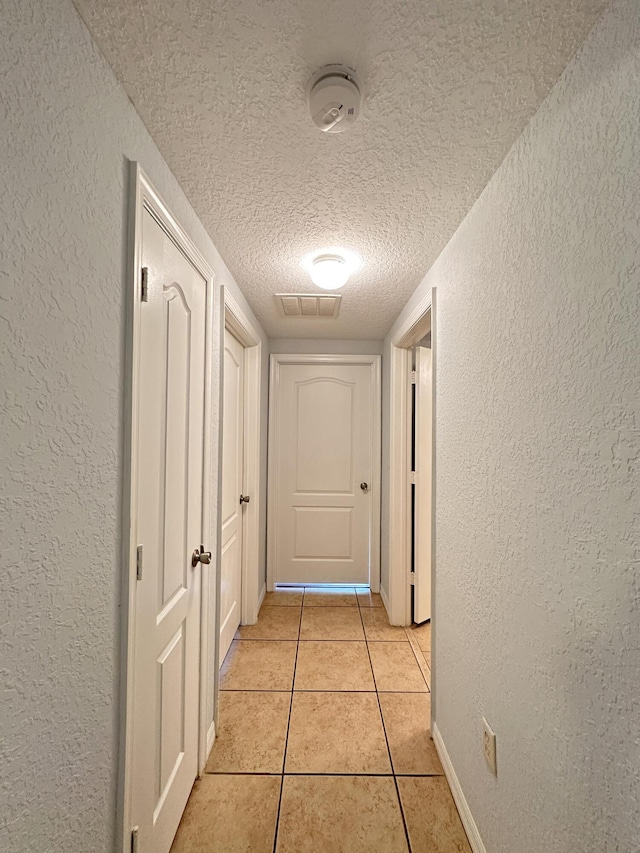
329, 272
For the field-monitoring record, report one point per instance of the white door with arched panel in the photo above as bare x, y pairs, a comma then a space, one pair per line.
232, 486
170, 525
324, 472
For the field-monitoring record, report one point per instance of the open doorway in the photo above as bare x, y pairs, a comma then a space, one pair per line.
412, 591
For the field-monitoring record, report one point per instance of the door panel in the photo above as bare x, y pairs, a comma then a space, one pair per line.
323, 453
171, 672
232, 485
422, 505
170, 444
324, 414
322, 532
176, 447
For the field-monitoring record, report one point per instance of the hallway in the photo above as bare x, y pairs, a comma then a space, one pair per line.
322, 741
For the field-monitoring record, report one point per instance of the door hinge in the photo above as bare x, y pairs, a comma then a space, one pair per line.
139, 563
134, 840
144, 285
412, 578
412, 478
412, 377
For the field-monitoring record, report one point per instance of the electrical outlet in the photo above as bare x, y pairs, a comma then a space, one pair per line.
489, 746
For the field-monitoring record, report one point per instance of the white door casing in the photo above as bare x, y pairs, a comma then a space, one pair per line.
232, 486
398, 595
423, 485
324, 443
243, 328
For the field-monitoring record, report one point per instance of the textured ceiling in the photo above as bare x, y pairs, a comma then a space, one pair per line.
449, 86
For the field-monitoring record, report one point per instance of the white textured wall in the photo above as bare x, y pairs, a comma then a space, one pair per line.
67, 130
538, 481
315, 346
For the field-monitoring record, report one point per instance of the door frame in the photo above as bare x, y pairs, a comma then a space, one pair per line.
421, 497
421, 320
143, 196
374, 361
242, 328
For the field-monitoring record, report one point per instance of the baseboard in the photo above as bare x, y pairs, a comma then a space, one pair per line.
263, 592
211, 736
461, 801
385, 599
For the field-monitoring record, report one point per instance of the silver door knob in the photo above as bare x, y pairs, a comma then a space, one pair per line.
200, 556
244, 499
364, 487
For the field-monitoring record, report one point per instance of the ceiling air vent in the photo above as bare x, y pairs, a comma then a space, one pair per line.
308, 305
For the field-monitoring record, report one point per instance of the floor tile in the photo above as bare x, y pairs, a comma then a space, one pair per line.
377, 627
336, 733
406, 721
432, 820
395, 668
330, 598
327, 665
258, 665
252, 733
339, 814
274, 623
284, 598
331, 623
230, 813
422, 634
366, 598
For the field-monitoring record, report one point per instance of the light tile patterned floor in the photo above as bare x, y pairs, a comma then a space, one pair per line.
323, 743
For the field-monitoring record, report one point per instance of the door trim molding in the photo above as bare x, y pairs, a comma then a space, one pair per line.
242, 328
143, 195
274, 381
413, 329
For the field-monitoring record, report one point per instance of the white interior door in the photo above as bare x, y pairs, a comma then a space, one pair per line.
323, 453
232, 485
422, 493
170, 449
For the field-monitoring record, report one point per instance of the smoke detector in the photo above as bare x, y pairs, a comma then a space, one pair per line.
334, 97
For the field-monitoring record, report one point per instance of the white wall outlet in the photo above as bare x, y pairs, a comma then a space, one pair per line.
489, 746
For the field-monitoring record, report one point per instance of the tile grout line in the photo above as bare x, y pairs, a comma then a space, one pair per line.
415, 654
286, 740
312, 690
384, 729
404, 820
325, 773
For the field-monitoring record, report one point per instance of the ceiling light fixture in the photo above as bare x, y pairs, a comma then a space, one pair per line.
330, 266
329, 272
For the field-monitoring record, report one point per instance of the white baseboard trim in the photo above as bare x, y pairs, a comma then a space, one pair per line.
211, 736
460, 800
263, 592
385, 599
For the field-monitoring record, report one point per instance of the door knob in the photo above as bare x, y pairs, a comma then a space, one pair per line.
200, 556
364, 487
244, 499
